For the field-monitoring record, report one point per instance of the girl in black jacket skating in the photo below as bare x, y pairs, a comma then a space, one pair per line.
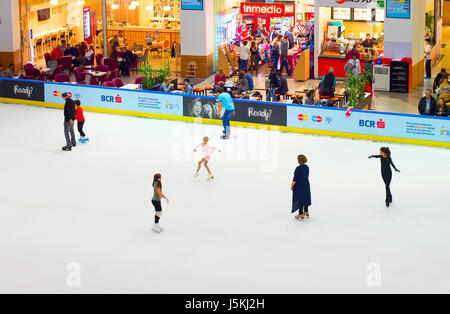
386, 172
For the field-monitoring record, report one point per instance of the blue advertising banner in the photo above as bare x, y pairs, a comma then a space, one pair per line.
370, 123
117, 99
192, 5
400, 9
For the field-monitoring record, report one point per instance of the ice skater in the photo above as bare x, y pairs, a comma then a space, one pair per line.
301, 189
69, 121
386, 171
225, 101
207, 151
156, 201
79, 116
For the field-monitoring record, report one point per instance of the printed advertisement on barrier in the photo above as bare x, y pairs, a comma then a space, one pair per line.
158, 103
25, 90
246, 111
370, 123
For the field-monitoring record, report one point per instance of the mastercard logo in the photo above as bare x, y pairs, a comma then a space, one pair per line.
57, 93
303, 117
340, 1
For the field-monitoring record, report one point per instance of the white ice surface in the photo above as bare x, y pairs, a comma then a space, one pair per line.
235, 235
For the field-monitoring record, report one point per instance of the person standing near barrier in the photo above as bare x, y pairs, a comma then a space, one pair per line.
226, 102
301, 189
386, 171
69, 121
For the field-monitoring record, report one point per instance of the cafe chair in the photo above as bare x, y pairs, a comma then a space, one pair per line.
111, 63
134, 66
118, 82
112, 75
90, 63
56, 71
28, 68
99, 58
101, 68
62, 78
66, 63
109, 84
139, 80
47, 58
144, 59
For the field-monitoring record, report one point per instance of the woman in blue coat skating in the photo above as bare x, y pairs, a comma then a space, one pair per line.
301, 189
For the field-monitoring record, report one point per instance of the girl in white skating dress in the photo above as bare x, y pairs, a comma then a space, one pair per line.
207, 151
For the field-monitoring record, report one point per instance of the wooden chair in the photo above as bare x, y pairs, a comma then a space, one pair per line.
192, 70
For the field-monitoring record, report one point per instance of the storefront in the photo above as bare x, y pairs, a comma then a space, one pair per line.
341, 26
44, 24
279, 16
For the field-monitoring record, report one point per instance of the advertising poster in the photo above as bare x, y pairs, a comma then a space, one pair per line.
370, 123
108, 98
200, 107
398, 9
21, 89
192, 5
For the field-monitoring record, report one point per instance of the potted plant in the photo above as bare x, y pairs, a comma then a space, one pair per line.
355, 87
153, 78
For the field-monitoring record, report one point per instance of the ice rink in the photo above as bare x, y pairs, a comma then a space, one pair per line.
91, 208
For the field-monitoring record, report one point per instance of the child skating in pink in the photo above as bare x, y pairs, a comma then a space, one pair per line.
207, 151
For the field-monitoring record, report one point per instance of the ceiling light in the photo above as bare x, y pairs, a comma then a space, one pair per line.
131, 7
114, 6
81, 2
149, 8
53, 2
134, 3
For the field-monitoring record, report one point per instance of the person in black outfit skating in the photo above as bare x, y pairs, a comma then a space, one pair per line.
386, 171
69, 120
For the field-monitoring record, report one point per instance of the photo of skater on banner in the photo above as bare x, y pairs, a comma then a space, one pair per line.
21, 89
201, 107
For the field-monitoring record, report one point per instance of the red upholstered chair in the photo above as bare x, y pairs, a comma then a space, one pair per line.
90, 63
118, 82
35, 74
134, 66
79, 74
111, 63
62, 78
139, 80
112, 75
108, 84
99, 59
66, 62
47, 57
56, 71
101, 68
28, 67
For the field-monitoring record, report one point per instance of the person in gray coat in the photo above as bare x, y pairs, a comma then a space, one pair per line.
69, 121
284, 51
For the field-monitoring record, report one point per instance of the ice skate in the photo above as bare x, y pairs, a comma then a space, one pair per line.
225, 137
85, 140
81, 139
156, 228
307, 215
300, 216
210, 178
196, 175
67, 148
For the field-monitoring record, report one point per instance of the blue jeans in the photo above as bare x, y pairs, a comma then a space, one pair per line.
285, 64
226, 121
275, 59
243, 64
271, 95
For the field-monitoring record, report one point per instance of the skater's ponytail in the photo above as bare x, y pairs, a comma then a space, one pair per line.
386, 151
157, 180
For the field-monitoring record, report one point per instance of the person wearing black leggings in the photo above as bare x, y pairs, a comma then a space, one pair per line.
386, 171
156, 202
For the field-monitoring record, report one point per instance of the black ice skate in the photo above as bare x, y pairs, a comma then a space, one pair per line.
67, 148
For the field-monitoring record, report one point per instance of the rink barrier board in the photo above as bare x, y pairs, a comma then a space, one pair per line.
181, 117
239, 124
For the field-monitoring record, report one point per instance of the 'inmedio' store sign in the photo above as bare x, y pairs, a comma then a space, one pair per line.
369, 4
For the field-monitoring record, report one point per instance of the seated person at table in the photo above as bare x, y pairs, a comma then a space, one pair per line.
114, 43
328, 84
166, 87
128, 59
11, 71
443, 110
220, 79
64, 45
90, 54
444, 88
56, 53
188, 89
251, 84
283, 85
243, 82
72, 51
428, 104
437, 80
298, 100
310, 101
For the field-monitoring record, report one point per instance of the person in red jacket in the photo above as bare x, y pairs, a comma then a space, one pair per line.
79, 116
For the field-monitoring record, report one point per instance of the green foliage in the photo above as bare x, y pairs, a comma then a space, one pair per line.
355, 86
155, 76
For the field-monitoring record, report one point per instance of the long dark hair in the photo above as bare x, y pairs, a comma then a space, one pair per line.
386, 151
157, 180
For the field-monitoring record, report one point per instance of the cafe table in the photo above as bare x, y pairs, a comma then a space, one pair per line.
131, 86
